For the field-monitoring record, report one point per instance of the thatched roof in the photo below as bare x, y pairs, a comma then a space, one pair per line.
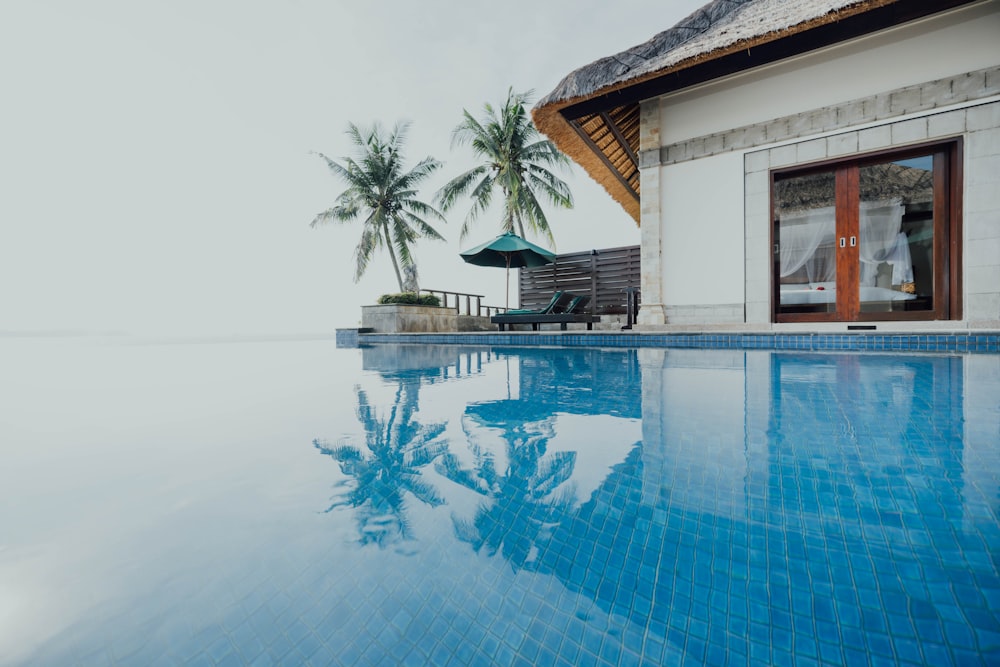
593, 114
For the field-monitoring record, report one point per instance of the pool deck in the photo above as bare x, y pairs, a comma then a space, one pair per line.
983, 341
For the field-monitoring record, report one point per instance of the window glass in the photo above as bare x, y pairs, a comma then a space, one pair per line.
805, 238
896, 235
868, 238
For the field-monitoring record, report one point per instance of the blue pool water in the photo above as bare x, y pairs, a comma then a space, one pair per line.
293, 503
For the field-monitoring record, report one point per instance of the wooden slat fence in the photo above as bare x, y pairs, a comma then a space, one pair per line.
602, 274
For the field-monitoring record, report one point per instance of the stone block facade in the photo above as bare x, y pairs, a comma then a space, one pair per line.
965, 106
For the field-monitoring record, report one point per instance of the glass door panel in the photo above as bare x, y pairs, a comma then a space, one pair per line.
895, 236
806, 243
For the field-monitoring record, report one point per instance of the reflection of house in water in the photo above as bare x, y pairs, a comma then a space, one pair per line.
773, 490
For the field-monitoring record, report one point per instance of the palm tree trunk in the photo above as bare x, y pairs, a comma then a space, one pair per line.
392, 256
509, 217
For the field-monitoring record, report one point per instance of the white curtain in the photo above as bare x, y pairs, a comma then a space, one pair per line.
807, 239
800, 235
901, 261
880, 242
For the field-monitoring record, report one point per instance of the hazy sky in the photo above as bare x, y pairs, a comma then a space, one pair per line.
156, 157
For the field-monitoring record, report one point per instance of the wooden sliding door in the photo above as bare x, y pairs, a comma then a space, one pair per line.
873, 238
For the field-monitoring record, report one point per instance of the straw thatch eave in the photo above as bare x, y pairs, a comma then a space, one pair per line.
721, 38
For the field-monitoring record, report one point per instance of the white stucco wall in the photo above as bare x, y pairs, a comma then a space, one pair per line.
962, 41
702, 204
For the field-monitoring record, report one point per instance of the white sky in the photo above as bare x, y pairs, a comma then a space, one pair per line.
155, 155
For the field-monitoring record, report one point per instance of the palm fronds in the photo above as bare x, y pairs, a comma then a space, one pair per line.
380, 478
384, 194
514, 162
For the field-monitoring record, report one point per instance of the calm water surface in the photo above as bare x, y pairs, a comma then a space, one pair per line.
294, 503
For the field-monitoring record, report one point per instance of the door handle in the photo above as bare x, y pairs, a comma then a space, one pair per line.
854, 241
843, 242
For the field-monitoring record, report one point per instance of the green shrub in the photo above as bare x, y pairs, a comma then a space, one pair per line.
411, 298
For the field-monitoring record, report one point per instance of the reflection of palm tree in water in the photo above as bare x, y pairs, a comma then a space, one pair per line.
521, 514
378, 482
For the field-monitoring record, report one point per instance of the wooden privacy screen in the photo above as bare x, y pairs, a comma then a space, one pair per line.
602, 274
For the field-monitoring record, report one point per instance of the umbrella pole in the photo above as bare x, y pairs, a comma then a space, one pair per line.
507, 284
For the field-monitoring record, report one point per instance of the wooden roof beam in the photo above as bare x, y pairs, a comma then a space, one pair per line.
632, 189
621, 139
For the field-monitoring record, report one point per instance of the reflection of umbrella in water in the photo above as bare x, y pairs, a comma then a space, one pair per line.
508, 250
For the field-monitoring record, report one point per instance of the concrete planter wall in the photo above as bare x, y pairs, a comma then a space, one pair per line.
405, 318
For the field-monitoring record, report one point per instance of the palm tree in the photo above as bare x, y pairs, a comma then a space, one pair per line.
514, 162
380, 191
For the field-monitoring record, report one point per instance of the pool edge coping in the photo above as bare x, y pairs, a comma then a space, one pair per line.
986, 341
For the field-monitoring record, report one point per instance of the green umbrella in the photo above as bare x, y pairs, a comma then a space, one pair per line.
508, 250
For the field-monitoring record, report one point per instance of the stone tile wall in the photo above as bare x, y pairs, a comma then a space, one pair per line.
858, 126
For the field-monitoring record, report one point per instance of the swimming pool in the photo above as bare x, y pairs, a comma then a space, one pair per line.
291, 503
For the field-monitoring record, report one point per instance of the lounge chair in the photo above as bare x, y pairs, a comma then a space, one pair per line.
578, 304
571, 311
557, 304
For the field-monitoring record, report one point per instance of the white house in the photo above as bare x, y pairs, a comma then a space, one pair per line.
822, 164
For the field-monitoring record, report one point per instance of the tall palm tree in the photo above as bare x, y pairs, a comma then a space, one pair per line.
380, 191
514, 161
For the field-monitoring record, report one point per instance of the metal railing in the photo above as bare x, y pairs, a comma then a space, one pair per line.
481, 309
